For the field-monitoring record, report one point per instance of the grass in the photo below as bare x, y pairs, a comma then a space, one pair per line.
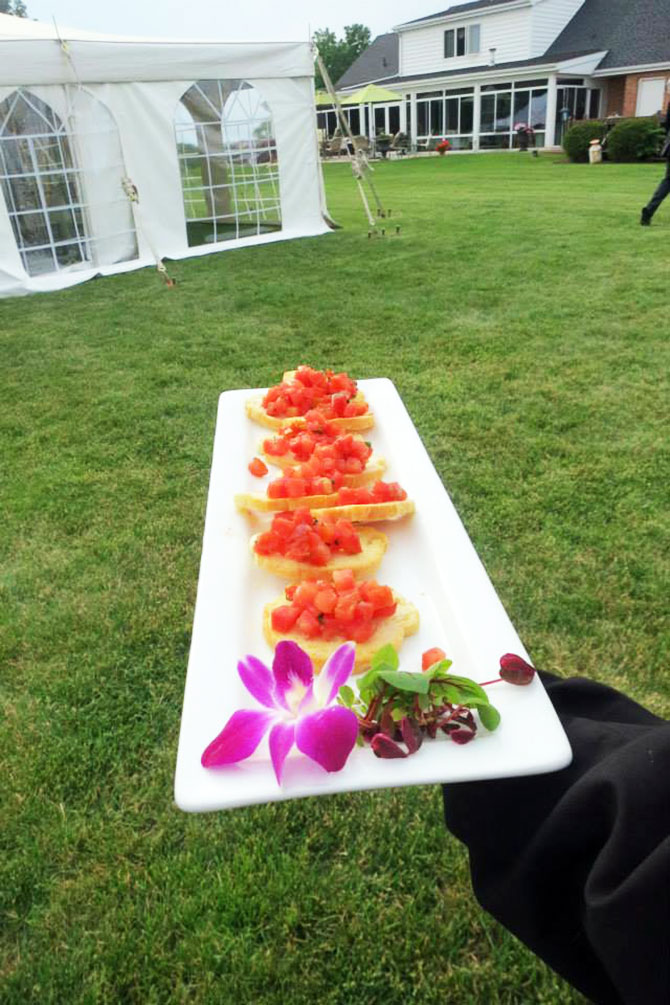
522, 313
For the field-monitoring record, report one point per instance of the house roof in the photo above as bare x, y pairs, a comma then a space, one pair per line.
379, 60
519, 64
631, 34
634, 34
459, 8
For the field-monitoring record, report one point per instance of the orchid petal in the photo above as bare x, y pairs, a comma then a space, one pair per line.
292, 669
308, 704
334, 674
328, 736
282, 736
238, 739
258, 680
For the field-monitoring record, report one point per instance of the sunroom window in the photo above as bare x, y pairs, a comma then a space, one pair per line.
228, 161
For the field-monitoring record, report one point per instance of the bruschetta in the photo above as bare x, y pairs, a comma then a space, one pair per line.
306, 389
321, 614
380, 501
299, 545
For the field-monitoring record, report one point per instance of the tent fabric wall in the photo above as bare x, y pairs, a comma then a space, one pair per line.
136, 86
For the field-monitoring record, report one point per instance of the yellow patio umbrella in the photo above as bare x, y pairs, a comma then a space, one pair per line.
369, 95
323, 98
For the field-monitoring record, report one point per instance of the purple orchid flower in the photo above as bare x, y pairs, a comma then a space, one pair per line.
298, 707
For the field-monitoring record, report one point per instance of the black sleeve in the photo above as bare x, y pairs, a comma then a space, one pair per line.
577, 863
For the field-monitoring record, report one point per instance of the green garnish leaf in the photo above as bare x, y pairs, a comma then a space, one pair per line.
439, 668
489, 716
469, 691
417, 683
385, 658
346, 695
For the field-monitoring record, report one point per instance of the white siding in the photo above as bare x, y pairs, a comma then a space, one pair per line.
549, 18
422, 49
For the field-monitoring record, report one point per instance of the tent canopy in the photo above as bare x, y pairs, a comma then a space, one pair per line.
117, 152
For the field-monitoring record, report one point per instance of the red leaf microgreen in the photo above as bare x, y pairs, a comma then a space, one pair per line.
397, 709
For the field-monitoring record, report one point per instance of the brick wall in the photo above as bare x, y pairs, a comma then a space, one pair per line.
622, 92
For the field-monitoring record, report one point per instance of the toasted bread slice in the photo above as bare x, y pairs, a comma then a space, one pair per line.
404, 622
372, 472
366, 512
325, 506
373, 543
354, 423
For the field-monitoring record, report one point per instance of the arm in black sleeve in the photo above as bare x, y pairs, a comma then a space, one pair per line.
577, 863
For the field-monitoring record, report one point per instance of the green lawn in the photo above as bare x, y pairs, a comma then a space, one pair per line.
523, 315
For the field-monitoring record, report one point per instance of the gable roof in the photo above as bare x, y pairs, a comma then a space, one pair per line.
461, 8
635, 34
380, 60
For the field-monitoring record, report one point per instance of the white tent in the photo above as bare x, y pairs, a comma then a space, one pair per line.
118, 152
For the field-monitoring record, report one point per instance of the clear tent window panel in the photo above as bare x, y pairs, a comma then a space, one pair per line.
37, 175
65, 212
228, 162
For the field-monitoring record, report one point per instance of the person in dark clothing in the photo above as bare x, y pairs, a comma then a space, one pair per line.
664, 188
576, 863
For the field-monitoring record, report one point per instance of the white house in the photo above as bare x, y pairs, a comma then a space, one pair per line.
476, 71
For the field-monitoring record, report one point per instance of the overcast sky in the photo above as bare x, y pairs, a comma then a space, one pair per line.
259, 20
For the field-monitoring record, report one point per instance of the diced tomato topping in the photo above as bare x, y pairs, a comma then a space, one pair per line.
257, 467
431, 656
306, 592
380, 492
343, 580
332, 394
325, 600
341, 608
284, 617
300, 536
308, 625
321, 450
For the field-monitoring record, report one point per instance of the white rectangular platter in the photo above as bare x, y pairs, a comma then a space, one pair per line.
430, 561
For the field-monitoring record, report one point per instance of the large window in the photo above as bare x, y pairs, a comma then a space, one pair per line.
66, 209
507, 107
445, 113
461, 41
574, 101
228, 160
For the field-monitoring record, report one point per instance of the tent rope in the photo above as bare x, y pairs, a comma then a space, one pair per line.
360, 165
127, 184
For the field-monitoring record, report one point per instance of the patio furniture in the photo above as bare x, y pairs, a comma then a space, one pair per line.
399, 145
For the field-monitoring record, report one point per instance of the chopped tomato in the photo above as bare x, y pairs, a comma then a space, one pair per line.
308, 625
257, 467
431, 656
332, 394
306, 592
284, 617
343, 580
320, 450
300, 536
380, 492
341, 608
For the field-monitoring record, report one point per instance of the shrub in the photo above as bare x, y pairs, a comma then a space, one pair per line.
634, 140
577, 138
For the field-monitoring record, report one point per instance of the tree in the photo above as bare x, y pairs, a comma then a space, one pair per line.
15, 7
339, 54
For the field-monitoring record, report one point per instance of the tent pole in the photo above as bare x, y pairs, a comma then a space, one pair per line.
359, 162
